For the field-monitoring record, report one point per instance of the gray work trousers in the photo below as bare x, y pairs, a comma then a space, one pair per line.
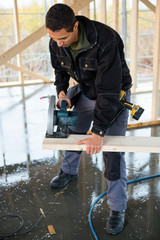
115, 167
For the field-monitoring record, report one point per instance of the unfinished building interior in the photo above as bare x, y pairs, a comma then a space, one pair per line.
27, 166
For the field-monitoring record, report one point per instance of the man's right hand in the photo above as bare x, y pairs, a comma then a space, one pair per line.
62, 96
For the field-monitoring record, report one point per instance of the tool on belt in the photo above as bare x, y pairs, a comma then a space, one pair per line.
136, 109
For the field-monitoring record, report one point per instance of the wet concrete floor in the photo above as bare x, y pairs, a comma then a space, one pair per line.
26, 170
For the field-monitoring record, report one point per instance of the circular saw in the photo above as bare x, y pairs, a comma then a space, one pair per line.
59, 120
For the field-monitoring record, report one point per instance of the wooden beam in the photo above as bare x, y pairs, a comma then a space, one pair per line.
67, 2
80, 4
115, 15
103, 11
26, 83
156, 65
84, 11
134, 42
19, 47
149, 5
143, 124
33, 37
18, 39
110, 144
35, 75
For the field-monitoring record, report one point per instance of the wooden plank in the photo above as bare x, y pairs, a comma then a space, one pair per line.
103, 11
134, 43
156, 65
149, 5
19, 47
26, 83
110, 144
33, 37
51, 229
18, 39
37, 76
143, 124
84, 11
115, 15
80, 4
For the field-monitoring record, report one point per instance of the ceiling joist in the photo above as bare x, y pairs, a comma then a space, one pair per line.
149, 5
33, 37
22, 45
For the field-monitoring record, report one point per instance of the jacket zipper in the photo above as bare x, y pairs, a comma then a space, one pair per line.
72, 62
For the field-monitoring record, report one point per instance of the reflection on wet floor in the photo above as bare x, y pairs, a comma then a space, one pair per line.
26, 170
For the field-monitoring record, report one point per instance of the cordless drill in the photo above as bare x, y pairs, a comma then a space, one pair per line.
136, 109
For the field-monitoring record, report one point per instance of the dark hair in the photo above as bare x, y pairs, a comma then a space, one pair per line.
60, 16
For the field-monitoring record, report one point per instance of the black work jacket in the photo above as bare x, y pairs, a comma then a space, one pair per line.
100, 69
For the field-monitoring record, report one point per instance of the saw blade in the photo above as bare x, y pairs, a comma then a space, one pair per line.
51, 115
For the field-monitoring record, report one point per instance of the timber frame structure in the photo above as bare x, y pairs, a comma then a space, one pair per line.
82, 6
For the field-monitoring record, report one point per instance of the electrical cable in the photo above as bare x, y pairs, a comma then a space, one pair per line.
103, 194
12, 216
15, 233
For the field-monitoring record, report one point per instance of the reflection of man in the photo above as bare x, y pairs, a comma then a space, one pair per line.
92, 54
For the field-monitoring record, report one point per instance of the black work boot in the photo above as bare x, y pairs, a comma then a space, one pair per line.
62, 179
115, 223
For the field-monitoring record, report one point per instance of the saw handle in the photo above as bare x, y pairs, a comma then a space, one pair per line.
63, 105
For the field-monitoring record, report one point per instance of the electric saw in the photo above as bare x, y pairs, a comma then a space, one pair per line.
60, 119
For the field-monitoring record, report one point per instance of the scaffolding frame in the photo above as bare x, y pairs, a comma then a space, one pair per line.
83, 7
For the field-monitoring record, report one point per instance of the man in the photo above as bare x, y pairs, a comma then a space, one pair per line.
92, 54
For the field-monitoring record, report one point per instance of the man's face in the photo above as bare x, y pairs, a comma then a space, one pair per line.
64, 38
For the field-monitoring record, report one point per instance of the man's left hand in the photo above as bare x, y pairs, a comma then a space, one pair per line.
93, 144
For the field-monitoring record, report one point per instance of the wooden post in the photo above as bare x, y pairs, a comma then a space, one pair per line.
17, 37
67, 2
33, 74
156, 65
134, 43
84, 11
78, 5
103, 11
22, 45
115, 13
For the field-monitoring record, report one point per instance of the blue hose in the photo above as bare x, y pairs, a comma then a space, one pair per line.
98, 198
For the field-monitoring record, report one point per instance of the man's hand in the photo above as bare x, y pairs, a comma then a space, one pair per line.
62, 96
93, 144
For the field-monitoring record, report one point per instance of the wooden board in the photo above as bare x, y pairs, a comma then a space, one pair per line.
156, 64
22, 45
51, 229
110, 144
143, 124
149, 5
33, 74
